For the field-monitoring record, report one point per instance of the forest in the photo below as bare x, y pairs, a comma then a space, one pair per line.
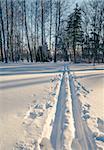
51, 30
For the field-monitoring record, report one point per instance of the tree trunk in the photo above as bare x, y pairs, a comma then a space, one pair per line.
7, 27
32, 45
11, 36
74, 49
56, 33
36, 22
26, 30
3, 33
59, 15
42, 23
22, 31
50, 38
1, 49
42, 28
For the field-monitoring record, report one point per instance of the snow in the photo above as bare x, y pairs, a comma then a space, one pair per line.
63, 128
54, 120
69, 129
17, 93
81, 129
14, 102
40, 108
91, 95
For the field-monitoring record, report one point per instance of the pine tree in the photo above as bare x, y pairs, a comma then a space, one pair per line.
74, 30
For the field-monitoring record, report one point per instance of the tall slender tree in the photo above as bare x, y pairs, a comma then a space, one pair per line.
3, 33
50, 37
56, 32
74, 30
12, 31
7, 27
1, 49
26, 31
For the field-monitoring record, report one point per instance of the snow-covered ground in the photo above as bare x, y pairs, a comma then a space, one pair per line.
36, 104
20, 86
90, 89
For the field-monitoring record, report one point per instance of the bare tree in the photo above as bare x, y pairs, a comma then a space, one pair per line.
7, 27
3, 33
11, 32
42, 22
26, 29
1, 49
50, 38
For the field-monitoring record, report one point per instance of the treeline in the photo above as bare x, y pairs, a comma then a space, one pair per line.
85, 32
46, 30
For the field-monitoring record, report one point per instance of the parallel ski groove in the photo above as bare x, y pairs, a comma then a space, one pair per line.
83, 133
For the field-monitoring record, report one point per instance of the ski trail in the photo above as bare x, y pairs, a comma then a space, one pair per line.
83, 134
83, 137
56, 136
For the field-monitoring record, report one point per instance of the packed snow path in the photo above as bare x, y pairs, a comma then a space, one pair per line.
84, 138
63, 126
56, 137
34, 78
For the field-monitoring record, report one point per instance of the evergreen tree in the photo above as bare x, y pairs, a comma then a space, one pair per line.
74, 30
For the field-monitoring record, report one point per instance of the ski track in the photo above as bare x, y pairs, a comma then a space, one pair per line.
83, 133
63, 128
56, 136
